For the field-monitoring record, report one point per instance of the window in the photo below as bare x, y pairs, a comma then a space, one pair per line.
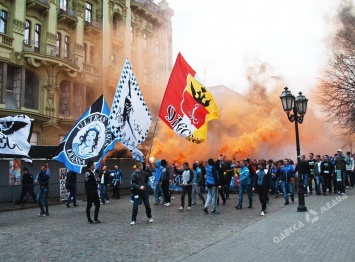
64, 98
63, 5
58, 44
13, 87
78, 95
27, 37
92, 55
145, 41
66, 46
115, 27
3, 21
37, 37
85, 53
88, 12
31, 90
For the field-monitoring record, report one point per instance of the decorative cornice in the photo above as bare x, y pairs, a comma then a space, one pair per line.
19, 26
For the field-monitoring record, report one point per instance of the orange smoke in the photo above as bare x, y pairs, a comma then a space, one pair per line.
253, 125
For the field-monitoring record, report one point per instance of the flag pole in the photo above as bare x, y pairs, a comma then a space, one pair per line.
151, 141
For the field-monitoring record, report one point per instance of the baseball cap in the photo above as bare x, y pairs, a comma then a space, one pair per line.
339, 150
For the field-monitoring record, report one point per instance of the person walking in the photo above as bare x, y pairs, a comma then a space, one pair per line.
104, 184
197, 182
187, 176
244, 185
27, 186
158, 189
116, 181
71, 187
43, 181
287, 172
139, 187
91, 193
212, 182
165, 181
262, 183
302, 168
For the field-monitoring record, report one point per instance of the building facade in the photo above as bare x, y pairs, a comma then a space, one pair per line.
58, 56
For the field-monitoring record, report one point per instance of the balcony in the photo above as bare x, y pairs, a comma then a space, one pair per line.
67, 16
148, 9
93, 26
39, 5
47, 53
6, 41
91, 68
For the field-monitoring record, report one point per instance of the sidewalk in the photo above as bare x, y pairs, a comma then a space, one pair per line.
327, 233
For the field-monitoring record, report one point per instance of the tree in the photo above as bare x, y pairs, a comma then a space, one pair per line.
338, 86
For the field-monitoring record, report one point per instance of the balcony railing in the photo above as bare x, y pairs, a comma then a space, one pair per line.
39, 5
6, 40
67, 15
149, 4
91, 68
50, 51
94, 25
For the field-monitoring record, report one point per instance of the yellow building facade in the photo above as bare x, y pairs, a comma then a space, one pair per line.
58, 56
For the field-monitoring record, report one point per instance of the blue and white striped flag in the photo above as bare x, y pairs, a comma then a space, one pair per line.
130, 117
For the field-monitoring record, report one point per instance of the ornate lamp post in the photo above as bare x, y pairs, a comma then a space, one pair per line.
295, 109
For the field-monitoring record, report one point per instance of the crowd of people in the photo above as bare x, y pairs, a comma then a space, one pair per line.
319, 174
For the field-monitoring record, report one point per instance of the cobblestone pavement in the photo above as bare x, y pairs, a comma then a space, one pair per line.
325, 233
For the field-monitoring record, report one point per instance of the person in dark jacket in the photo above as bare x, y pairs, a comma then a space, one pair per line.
327, 172
91, 193
197, 182
116, 181
165, 179
104, 184
139, 188
43, 181
302, 168
187, 176
212, 182
262, 183
71, 187
27, 186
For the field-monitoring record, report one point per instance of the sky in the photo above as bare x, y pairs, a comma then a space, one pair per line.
222, 39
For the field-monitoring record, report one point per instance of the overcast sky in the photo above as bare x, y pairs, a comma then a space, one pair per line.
222, 39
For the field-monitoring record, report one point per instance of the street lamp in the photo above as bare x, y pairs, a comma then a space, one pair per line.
295, 109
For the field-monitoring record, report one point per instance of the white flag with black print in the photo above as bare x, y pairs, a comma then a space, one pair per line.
130, 117
15, 134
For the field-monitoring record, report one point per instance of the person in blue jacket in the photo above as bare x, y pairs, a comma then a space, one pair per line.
212, 182
158, 189
287, 172
244, 185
